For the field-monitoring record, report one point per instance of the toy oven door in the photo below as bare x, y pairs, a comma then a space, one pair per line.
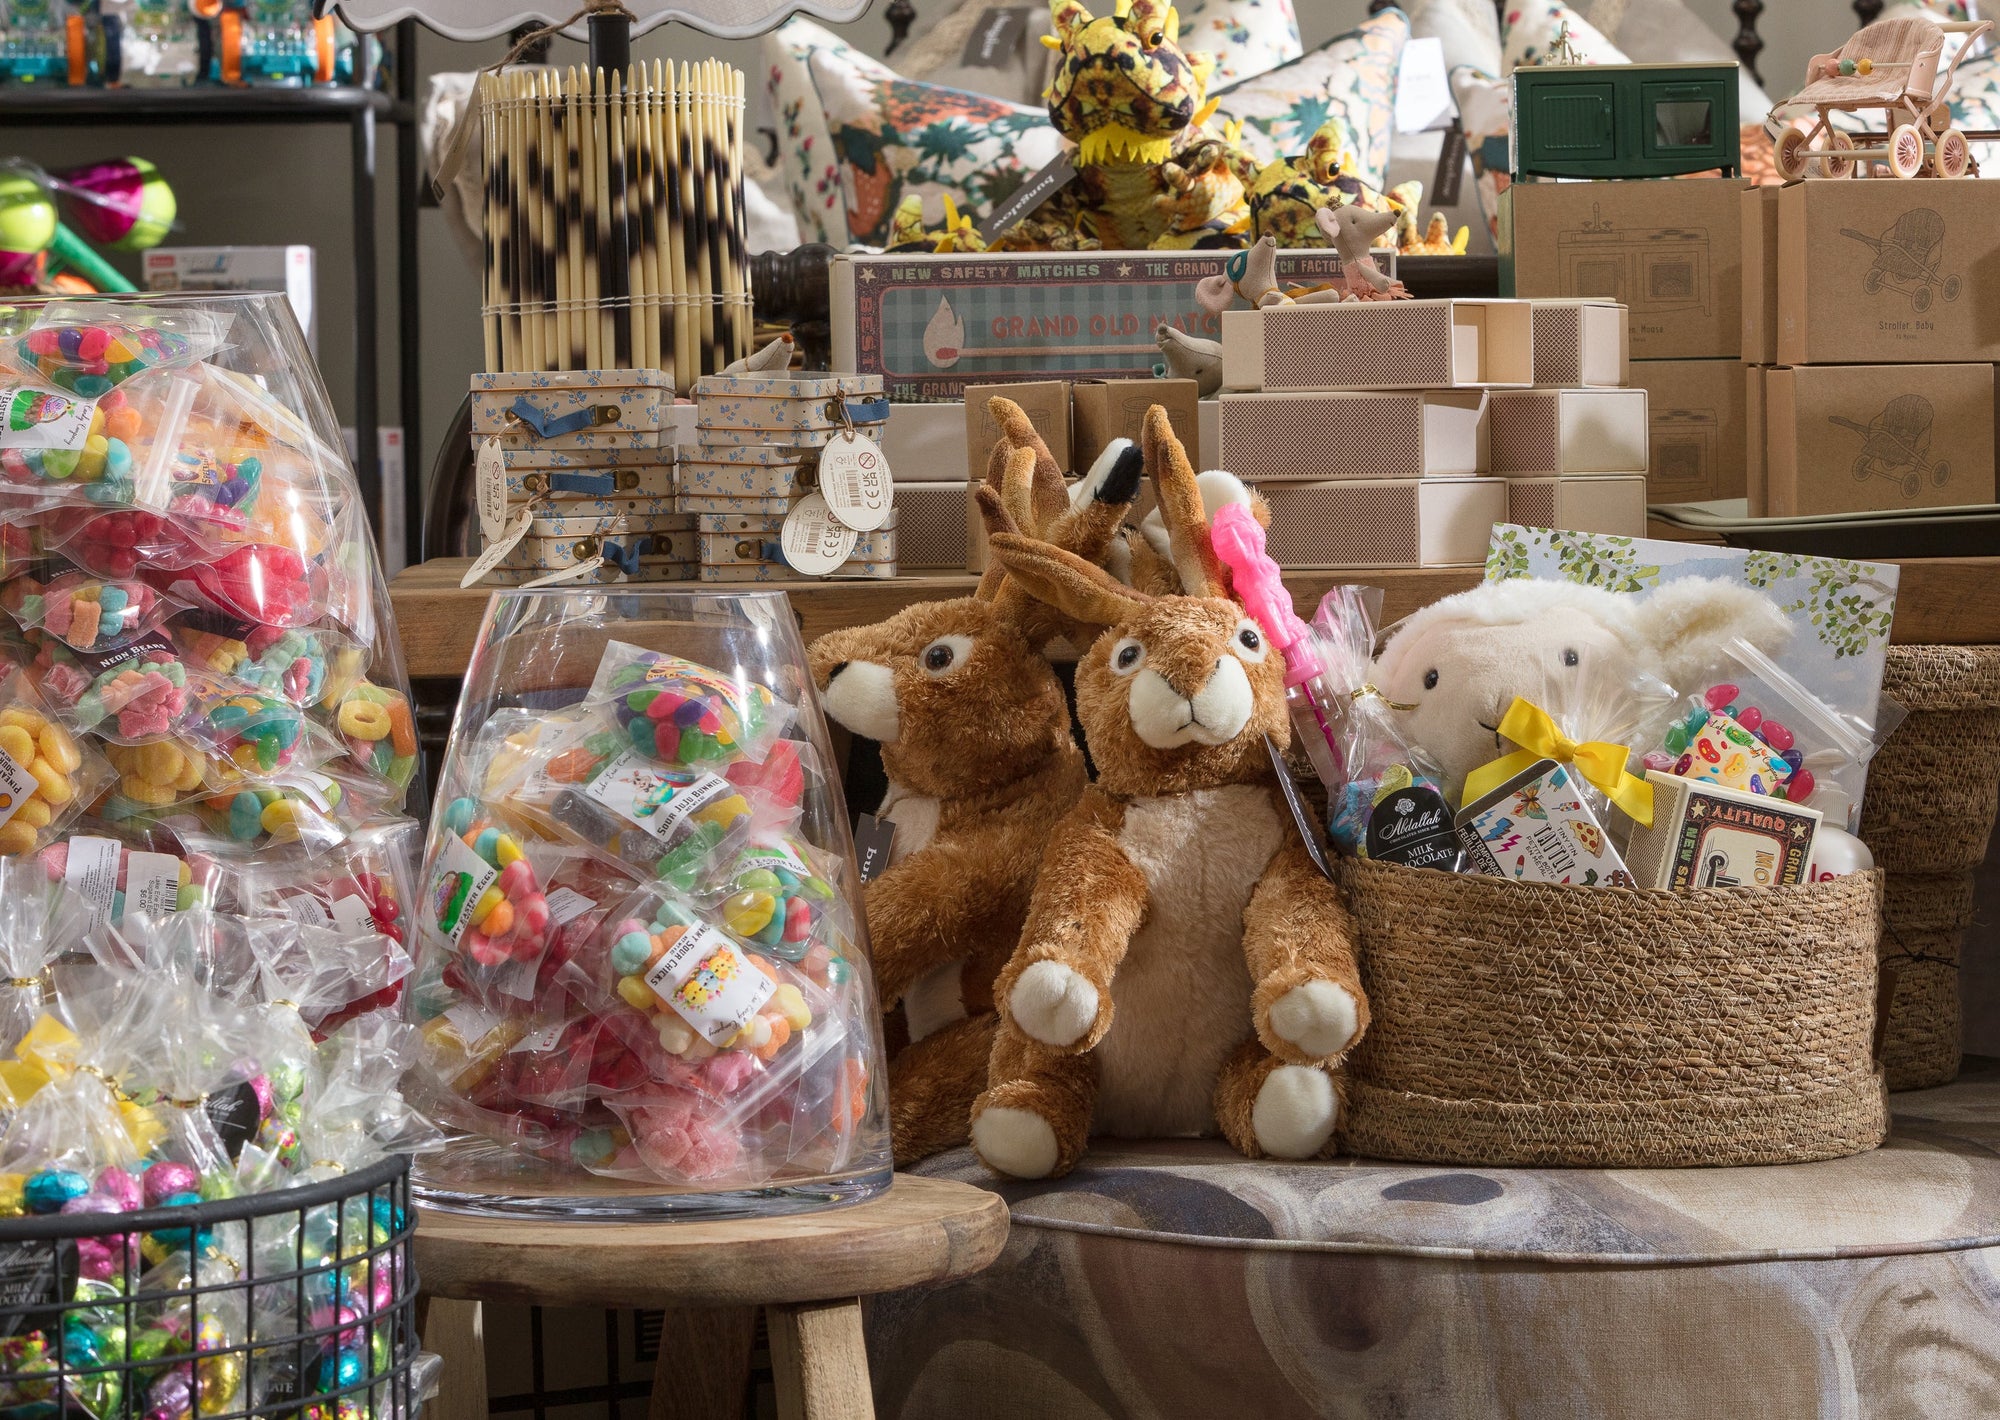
1685, 123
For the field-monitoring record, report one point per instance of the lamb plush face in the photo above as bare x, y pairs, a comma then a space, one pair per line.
1461, 661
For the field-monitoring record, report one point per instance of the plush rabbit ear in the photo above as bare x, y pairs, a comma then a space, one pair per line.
1065, 581
1180, 508
1051, 493
1099, 502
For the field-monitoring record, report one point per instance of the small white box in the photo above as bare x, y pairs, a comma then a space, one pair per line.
1379, 345
1381, 434
288, 270
1539, 432
1614, 505
1581, 343
1404, 522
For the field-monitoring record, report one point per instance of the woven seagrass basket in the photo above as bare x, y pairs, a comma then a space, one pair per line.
1933, 791
1934, 787
1525, 1023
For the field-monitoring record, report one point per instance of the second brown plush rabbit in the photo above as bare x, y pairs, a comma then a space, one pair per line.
981, 759
1185, 968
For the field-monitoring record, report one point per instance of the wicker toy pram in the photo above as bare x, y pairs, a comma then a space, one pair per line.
1892, 65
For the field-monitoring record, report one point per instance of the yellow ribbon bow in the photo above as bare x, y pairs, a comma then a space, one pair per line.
1601, 763
47, 1054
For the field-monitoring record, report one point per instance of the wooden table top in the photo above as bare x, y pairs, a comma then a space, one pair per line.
1942, 600
922, 1230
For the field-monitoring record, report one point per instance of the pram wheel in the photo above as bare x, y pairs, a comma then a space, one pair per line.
1921, 298
1838, 164
1953, 156
1951, 288
1871, 280
1864, 469
1906, 150
1791, 155
1911, 484
1940, 473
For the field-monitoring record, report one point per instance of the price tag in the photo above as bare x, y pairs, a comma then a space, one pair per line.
1309, 832
567, 574
566, 905
854, 479
493, 555
813, 540
490, 488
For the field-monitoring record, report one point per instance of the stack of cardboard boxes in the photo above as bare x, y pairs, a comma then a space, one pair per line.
1672, 253
1395, 434
1876, 326
758, 443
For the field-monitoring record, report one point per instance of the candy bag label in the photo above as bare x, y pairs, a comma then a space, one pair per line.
17, 785
566, 905
539, 1042
472, 1021
640, 793
98, 662
235, 1113
44, 419
351, 914
307, 910
92, 874
36, 1278
152, 882
710, 984
458, 880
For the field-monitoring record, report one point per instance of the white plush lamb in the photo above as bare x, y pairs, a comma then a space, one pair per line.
1461, 661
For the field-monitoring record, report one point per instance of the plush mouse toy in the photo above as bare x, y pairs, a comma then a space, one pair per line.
1458, 663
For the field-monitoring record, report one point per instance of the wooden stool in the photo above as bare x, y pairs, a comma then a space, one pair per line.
807, 1270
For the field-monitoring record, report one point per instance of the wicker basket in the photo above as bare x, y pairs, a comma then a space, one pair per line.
1924, 917
1523, 1023
1935, 786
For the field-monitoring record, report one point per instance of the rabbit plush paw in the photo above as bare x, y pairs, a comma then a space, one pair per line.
1318, 1019
1016, 1142
1295, 1111
1053, 1003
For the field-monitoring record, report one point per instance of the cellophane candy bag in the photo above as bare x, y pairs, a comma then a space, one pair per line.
1388, 799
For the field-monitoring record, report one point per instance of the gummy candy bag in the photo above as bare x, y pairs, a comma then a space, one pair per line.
677, 712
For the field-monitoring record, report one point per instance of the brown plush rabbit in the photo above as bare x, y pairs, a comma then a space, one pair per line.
1185, 968
981, 760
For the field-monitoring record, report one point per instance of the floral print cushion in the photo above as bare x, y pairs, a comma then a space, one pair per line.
1529, 28
886, 137
1246, 37
1352, 77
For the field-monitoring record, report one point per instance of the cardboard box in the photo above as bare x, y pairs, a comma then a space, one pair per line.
1755, 461
1046, 403
1760, 275
1671, 250
1103, 410
1542, 432
285, 269
1615, 505
1705, 836
1581, 343
1696, 438
930, 324
1379, 345
1862, 438
1879, 272
1408, 522
1383, 434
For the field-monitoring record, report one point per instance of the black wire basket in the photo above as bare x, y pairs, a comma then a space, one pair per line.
293, 1303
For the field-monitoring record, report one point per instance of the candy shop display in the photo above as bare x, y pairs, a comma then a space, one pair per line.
206, 872
641, 980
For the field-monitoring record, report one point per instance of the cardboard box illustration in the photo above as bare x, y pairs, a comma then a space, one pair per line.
1876, 272
1381, 434
1670, 251
1539, 432
1614, 505
1696, 428
1379, 345
1858, 438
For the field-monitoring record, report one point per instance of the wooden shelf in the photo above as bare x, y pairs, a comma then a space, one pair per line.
1943, 600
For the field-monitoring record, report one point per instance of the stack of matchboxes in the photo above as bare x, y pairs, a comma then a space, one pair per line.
756, 453
591, 454
1396, 433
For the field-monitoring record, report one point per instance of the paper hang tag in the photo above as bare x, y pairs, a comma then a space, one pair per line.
997, 37
854, 479
1450, 174
567, 574
490, 489
1059, 173
1423, 90
812, 540
1309, 832
495, 553
874, 842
